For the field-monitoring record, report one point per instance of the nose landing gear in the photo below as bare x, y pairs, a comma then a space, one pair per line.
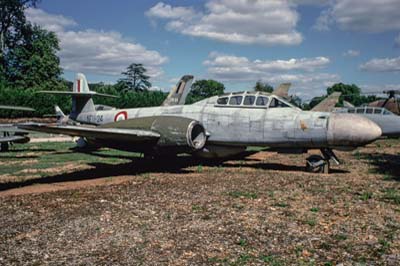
321, 164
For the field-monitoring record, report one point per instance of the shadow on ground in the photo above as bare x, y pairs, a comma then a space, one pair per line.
385, 164
176, 165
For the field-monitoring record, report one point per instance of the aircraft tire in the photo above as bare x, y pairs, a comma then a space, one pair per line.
317, 164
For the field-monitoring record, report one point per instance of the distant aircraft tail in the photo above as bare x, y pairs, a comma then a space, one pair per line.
328, 103
282, 90
82, 101
347, 104
178, 94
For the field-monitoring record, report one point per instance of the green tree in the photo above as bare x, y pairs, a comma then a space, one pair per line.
135, 78
13, 27
350, 93
314, 101
35, 63
263, 86
202, 89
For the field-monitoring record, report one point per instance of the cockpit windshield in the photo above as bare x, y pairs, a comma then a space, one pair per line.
252, 100
276, 103
262, 101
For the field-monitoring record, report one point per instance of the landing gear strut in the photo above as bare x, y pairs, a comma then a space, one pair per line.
321, 164
4, 147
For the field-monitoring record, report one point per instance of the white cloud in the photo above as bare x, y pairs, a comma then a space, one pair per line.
324, 21
310, 2
300, 72
265, 22
229, 63
93, 51
54, 23
351, 53
382, 65
165, 11
361, 15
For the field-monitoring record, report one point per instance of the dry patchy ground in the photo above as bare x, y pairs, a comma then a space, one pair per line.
111, 208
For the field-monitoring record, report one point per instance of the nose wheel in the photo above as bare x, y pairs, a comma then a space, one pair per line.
321, 164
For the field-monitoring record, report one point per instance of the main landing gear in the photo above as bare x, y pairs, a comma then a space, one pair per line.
5, 146
321, 164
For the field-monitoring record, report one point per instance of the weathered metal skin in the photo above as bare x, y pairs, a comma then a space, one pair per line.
241, 126
351, 130
176, 132
386, 120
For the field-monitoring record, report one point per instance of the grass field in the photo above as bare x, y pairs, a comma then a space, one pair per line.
115, 208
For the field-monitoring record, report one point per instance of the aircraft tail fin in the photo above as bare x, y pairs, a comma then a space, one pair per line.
59, 112
61, 117
178, 94
347, 104
82, 101
328, 103
282, 90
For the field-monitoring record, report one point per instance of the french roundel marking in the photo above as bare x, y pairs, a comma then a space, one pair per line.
121, 116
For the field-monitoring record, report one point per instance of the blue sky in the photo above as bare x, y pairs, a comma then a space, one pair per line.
311, 43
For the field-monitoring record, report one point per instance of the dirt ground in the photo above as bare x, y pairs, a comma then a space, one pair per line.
108, 208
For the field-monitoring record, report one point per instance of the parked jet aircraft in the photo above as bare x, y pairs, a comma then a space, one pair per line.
11, 134
386, 120
391, 103
215, 127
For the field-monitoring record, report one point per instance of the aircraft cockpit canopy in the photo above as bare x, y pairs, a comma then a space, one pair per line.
367, 110
252, 100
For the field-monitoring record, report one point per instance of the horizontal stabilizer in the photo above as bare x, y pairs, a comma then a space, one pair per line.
16, 108
94, 132
78, 94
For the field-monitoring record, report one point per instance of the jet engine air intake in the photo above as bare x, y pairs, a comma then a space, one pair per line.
196, 135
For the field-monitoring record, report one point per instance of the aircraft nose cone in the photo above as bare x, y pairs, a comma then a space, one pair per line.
351, 130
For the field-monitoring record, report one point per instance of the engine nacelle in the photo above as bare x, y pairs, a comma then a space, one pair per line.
178, 133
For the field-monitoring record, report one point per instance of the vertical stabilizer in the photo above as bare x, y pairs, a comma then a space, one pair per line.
82, 101
282, 90
178, 94
80, 84
328, 103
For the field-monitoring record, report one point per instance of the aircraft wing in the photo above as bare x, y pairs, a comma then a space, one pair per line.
131, 135
12, 139
328, 103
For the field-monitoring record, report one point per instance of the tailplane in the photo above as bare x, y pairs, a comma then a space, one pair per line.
82, 101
